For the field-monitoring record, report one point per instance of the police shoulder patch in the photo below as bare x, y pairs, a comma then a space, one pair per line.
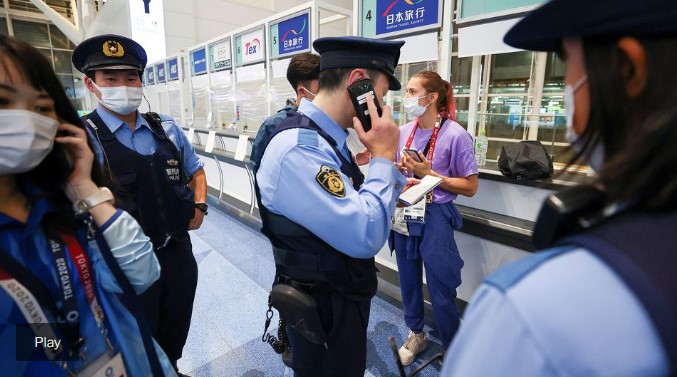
330, 180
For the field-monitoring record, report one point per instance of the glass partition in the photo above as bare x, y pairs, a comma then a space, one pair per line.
222, 99
280, 93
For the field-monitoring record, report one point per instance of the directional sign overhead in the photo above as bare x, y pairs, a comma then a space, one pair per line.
250, 47
198, 62
381, 18
290, 36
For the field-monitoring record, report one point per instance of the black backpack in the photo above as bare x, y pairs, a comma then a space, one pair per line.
525, 160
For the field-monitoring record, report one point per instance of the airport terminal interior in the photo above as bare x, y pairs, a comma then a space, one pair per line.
218, 67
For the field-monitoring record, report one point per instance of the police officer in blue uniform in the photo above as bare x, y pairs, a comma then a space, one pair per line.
325, 220
303, 75
602, 301
158, 178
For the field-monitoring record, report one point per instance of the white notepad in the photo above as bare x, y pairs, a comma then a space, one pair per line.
417, 192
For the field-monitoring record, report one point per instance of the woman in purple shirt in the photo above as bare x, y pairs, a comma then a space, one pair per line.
444, 150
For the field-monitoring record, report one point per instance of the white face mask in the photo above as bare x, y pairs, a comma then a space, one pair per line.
596, 157
569, 99
412, 107
26, 138
121, 99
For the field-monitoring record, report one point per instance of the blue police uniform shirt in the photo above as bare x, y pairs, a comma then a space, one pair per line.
141, 139
569, 315
357, 224
132, 250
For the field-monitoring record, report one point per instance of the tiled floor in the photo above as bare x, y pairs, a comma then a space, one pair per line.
235, 273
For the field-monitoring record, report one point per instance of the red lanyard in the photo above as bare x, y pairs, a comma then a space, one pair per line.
433, 140
84, 268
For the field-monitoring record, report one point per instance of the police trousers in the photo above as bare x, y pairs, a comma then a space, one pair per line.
431, 245
168, 303
345, 355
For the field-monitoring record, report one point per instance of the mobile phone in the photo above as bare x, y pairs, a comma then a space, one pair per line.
358, 92
62, 161
412, 153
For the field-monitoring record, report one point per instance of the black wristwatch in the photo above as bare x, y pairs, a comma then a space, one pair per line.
202, 207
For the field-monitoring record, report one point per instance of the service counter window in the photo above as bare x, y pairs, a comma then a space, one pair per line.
222, 100
461, 73
505, 106
251, 105
280, 93
174, 99
552, 116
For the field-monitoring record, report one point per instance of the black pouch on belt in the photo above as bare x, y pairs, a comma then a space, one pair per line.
299, 309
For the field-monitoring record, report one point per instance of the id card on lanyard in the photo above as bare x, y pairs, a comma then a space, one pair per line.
109, 363
416, 212
31, 307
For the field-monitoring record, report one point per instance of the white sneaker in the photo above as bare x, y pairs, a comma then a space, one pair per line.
415, 344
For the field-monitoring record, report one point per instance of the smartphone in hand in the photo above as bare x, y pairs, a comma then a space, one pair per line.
61, 159
412, 153
358, 92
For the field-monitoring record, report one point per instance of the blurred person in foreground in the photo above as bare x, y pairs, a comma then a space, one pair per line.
601, 300
71, 264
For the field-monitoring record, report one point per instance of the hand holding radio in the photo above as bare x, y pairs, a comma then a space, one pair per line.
382, 137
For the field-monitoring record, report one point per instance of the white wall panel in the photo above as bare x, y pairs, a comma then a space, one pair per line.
236, 183
508, 199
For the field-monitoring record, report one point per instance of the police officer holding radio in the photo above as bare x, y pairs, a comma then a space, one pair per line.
324, 219
157, 176
602, 300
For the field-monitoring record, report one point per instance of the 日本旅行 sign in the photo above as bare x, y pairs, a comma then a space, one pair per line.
220, 56
198, 62
173, 68
290, 36
250, 48
381, 18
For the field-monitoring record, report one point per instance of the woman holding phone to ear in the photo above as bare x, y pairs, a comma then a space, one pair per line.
60, 298
445, 150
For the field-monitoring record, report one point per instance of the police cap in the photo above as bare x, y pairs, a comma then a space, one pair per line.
358, 52
544, 28
109, 51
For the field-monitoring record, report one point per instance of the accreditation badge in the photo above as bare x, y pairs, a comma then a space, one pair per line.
106, 365
397, 222
415, 213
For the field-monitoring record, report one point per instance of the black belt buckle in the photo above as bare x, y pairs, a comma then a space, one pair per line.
429, 197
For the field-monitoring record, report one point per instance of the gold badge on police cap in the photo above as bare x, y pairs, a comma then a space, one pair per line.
331, 181
113, 49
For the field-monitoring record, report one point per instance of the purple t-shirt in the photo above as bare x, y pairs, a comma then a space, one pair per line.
454, 154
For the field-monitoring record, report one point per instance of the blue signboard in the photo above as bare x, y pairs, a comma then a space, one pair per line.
290, 36
161, 76
173, 68
150, 71
198, 62
382, 18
